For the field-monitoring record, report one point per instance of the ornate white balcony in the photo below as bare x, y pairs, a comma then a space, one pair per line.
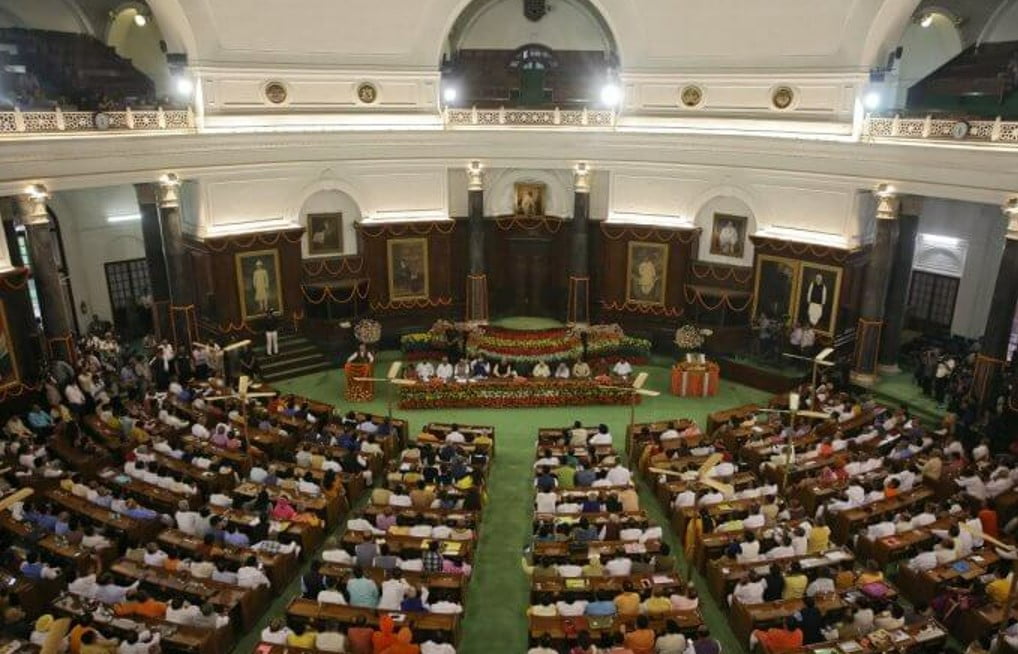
958, 130
57, 121
530, 118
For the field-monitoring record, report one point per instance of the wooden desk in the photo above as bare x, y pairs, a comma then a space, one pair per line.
82, 560
561, 550
280, 568
309, 537
892, 548
327, 510
723, 574
744, 618
743, 412
916, 637
207, 480
921, 587
310, 610
442, 429
844, 523
150, 495
398, 543
137, 531
454, 583
243, 605
173, 637
555, 626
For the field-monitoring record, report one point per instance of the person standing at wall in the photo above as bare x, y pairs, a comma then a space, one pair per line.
271, 332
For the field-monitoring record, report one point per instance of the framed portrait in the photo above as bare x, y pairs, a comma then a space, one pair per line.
325, 233
775, 289
8, 361
818, 293
259, 283
646, 273
728, 235
408, 268
529, 199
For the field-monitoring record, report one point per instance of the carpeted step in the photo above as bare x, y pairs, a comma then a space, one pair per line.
297, 356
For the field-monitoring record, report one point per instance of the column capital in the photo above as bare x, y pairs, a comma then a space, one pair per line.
475, 176
169, 191
581, 178
1010, 211
32, 205
888, 202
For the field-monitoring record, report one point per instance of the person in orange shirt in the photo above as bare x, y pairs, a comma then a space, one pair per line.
778, 639
385, 637
358, 637
627, 603
142, 605
641, 641
988, 517
891, 489
403, 644
84, 624
825, 449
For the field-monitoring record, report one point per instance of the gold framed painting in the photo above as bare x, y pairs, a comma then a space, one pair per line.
325, 233
775, 287
728, 235
646, 273
8, 359
408, 268
259, 283
818, 292
529, 200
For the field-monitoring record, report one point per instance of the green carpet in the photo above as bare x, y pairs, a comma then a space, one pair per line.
494, 620
901, 388
526, 322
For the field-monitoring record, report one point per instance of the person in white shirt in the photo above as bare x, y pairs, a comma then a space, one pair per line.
425, 371
330, 594
686, 498
926, 560
154, 557
330, 639
880, 529
444, 370
545, 502
276, 632
622, 368
619, 567
819, 584
944, 551
455, 436
749, 548
749, 590
711, 497
570, 609
83, 586
249, 576
619, 475
437, 645
602, 437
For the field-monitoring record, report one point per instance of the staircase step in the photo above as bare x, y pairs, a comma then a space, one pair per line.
287, 350
297, 372
283, 361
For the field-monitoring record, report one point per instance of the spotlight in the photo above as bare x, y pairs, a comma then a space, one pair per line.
184, 86
611, 94
926, 21
449, 94
872, 100
140, 19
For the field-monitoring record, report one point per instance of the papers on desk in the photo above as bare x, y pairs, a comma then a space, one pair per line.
577, 583
813, 562
899, 636
635, 548
930, 632
850, 646
837, 555
662, 579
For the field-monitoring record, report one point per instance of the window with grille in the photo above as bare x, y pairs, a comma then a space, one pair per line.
127, 282
931, 300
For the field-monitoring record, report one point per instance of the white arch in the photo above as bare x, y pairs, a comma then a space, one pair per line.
499, 193
716, 196
612, 25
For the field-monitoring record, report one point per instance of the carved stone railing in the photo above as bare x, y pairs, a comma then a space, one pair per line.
57, 120
959, 130
502, 117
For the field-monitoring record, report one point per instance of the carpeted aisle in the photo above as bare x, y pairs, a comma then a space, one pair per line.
498, 594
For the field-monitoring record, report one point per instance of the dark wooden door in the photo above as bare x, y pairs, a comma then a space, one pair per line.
529, 266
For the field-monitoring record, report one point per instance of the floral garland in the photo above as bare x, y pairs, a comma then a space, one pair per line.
552, 225
645, 309
506, 395
256, 238
412, 228
694, 294
815, 250
688, 337
730, 274
424, 303
328, 294
21, 273
652, 233
344, 267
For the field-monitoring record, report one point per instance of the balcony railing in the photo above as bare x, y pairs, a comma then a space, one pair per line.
57, 121
1004, 132
502, 117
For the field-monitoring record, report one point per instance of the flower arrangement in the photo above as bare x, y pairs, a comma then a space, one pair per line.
501, 395
368, 331
688, 337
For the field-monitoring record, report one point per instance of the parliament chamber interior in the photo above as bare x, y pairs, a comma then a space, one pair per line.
508, 326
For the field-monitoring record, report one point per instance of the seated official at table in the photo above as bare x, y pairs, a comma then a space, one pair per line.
540, 370
479, 368
562, 370
461, 371
623, 369
581, 369
444, 370
503, 370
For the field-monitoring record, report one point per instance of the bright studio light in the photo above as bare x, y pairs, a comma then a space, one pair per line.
611, 94
926, 21
140, 19
184, 86
872, 100
449, 94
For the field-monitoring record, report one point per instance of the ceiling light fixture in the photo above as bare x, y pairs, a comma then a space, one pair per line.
140, 19
611, 94
926, 20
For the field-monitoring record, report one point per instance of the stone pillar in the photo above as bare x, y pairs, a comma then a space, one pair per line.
578, 309
477, 279
43, 251
897, 287
998, 324
878, 270
159, 273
